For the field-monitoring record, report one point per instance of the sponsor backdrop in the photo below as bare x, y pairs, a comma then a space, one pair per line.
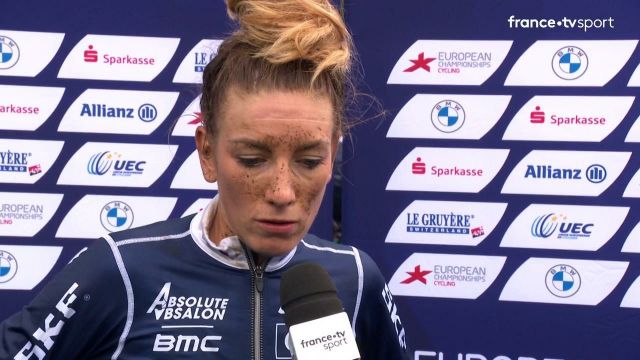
98, 107
499, 194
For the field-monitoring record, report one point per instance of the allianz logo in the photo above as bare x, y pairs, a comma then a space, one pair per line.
595, 173
546, 225
146, 112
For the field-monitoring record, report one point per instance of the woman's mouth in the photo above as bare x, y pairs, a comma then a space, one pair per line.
277, 226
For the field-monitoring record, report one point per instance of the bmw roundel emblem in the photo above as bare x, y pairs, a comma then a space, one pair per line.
570, 62
9, 52
116, 216
448, 116
563, 280
8, 266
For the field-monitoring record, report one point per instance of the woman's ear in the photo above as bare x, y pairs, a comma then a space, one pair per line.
206, 154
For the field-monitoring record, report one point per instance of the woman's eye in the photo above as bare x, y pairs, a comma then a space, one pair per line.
311, 163
250, 161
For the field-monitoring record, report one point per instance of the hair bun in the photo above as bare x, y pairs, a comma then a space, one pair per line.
287, 30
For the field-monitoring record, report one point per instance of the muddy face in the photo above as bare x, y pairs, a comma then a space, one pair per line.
272, 157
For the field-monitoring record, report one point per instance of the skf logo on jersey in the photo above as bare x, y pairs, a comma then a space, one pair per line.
570, 62
445, 223
568, 118
452, 116
193, 64
47, 334
570, 65
116, 216
446, 275
579, 173
25, 161
9, 52
449, 62
118, 111
190, 177
27, 107
190, 119
110, 57
564, 227
387, 297
23, 267
167, 307
26, 53
8, 266
113, 213
563, 281
92, 165
447, 169
25, 214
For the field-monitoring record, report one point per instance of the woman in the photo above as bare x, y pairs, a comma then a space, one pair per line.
273, 108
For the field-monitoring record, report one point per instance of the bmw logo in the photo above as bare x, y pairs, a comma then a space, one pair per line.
447, 116
9, 52
570, 62
8, 266
563, 281
116, 216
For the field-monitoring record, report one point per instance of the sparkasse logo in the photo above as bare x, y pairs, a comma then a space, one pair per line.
447, 169
114, 57
568, 118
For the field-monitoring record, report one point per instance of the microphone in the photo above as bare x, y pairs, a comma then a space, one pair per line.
319, 329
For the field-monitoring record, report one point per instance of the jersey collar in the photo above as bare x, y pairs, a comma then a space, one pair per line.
229, 251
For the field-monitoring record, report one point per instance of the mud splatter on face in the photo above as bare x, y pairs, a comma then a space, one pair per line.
273, 157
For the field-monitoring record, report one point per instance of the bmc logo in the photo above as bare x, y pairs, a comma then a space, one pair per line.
186, 343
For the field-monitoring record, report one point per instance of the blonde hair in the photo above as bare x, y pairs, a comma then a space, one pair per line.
291, 45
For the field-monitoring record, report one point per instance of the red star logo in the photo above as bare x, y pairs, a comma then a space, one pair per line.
197, 120
420, 63
417, 275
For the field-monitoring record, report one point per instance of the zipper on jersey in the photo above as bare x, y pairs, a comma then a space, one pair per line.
257, 287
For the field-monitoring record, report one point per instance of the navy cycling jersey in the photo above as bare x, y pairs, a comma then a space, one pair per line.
164, 291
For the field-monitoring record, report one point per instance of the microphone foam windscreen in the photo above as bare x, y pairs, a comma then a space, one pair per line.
307, 293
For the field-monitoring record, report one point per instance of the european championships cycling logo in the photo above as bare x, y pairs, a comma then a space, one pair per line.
570, 62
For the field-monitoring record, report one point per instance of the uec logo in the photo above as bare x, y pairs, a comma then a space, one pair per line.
101, 163
545, 225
